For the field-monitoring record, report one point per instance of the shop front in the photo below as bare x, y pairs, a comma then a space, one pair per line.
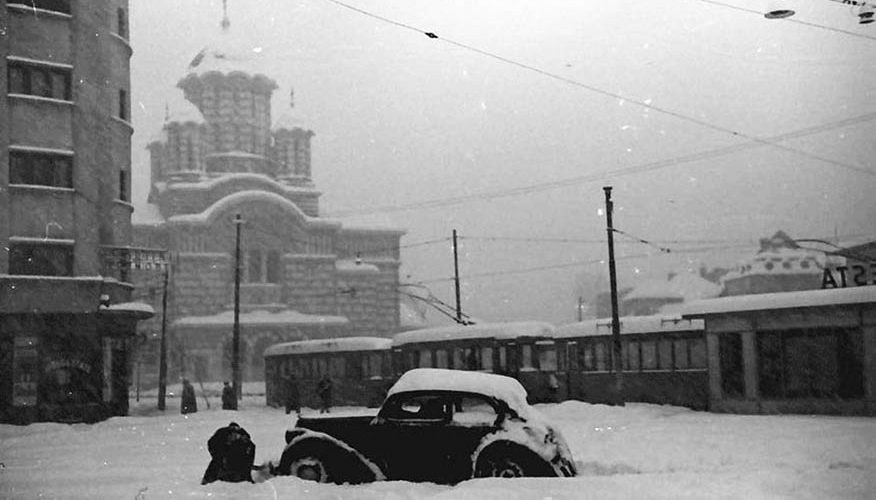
794, 352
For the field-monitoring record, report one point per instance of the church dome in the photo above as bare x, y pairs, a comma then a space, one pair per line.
180, 110
287, 120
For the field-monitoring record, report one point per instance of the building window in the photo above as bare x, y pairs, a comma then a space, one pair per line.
123, 185
41, 169
123, 104
122, 17
40, 259
262, 267
62, 6
40, 81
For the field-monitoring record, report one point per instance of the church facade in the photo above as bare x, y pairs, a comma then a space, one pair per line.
222, 165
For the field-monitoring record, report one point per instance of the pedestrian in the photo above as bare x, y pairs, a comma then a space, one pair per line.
324, 390
554, 388
292, 397
188, 402
229, 398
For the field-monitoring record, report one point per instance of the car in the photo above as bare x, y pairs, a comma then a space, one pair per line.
435, 425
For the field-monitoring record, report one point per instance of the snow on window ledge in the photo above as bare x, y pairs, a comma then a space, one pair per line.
30, 9
37, 98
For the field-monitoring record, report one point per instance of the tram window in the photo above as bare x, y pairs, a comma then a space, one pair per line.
526, 362
562, 362
503, 358
697, 353
457, 359
572, 354
681, 358
425, 360
635, 359
375, 362
354, 367
586, 353
322, 367
601, 358
547, 358
441, 360
471, 358
337, 367
487, 358
625, 355
649, 355
665, 353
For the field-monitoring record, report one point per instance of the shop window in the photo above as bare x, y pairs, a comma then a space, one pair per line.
40, 169
40, 259
40, 81
730, 358
697, 348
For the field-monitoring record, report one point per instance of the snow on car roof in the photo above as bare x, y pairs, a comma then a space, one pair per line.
329, 345
508, 330
500, 387
630, 325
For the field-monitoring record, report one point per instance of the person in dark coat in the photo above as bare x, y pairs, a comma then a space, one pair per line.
324, 390
188, 403
232, 455
229, 399
292, 397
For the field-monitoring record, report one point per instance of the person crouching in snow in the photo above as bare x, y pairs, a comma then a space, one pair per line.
232, 455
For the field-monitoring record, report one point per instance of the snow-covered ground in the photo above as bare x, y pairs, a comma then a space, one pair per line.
637, 451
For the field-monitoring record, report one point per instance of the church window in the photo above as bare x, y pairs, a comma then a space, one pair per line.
254, 266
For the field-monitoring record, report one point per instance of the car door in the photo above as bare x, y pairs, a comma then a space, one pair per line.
473, 417
409, 434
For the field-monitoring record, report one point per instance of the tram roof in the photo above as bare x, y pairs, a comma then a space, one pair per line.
342, 344
507, 330
630, 325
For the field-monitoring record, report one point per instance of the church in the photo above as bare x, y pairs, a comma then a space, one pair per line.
232, 184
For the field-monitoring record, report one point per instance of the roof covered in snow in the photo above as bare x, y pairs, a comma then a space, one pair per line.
180, 110
509, 330
354, 266
342, 344
784, 300
139, 309
630, 325
227, 54
147, 214
500, 387
261, 317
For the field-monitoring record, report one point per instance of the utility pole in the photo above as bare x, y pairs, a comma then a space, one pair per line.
235, 340
615, 320
162, 356
456, 279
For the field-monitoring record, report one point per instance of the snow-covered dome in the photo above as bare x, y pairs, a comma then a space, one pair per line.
287, 120
780, 261
180, 110
228, 54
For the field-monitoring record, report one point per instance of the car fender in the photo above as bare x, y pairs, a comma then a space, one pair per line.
298, 439
521, 435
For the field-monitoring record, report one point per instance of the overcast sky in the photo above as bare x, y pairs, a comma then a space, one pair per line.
543, 103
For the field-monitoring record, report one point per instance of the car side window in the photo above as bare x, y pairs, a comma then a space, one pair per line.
424, 407
473, 411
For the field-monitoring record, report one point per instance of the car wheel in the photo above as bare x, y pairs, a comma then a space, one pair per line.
505, 460
501, 467
309, 469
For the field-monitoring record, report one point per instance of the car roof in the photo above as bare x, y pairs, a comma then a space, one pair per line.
499, 387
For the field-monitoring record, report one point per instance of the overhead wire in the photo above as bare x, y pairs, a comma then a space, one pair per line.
614, 95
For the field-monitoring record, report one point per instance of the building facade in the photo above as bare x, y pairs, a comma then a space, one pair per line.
221, 155
67, 322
